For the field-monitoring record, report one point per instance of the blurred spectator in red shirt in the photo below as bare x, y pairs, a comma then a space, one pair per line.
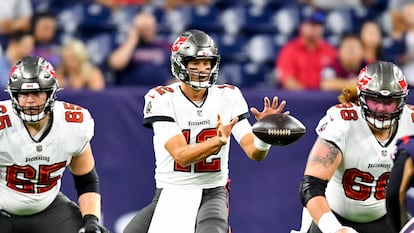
143, 59
301, 60
44, 28
344, 70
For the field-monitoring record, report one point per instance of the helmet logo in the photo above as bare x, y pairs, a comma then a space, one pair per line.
50, 69
363, 82
12, 71
402, 82
178, 42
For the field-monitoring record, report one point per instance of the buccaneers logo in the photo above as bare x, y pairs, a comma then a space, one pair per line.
177, 44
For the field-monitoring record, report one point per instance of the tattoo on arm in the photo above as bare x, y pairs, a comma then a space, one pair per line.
326, 154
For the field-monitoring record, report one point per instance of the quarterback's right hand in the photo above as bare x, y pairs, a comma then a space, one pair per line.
224, 131
346, 230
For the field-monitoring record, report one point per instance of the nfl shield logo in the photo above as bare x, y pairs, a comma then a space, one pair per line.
384, 153
199, 113
39, 148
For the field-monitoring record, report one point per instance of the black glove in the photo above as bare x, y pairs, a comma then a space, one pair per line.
91, 225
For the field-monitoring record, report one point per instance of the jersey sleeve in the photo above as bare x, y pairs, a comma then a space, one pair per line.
87, 129
240, 110
331, 128
157, 107
240, 107
77, 125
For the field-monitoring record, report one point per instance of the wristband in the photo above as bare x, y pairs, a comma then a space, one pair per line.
328, 223
261, 145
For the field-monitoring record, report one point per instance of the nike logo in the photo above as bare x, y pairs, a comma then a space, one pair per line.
152, 96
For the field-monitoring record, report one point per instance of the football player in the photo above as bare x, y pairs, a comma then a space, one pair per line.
39, 137
401, 180
347, 171
192, 121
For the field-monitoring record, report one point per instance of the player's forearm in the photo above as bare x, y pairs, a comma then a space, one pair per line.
122, 55
193, 153
90, 203
252, 150
317, 206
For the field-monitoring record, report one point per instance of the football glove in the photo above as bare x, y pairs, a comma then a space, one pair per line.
91, 225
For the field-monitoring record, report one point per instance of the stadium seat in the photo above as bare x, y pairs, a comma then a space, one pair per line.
232, 19
286, 20
204, 18
231, 47
259, 20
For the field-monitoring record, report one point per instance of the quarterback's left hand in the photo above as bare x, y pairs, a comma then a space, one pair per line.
92, 225
274, 108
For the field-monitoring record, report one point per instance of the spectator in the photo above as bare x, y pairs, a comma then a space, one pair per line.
76, 71
20, 45
346, 67
171, 4
329, 5
405, 53
15, 16
44, 31
142, 59
371, 37
301, 60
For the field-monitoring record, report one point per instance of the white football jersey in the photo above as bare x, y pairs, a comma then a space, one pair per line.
197, 123
357, 189
31, 171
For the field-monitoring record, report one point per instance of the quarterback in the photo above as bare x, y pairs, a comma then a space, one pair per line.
347, 171
39, 138
192, 121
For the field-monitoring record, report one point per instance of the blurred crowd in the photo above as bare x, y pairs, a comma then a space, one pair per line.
292, 45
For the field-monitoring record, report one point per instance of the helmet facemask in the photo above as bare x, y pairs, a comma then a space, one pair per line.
41, 110
382, 119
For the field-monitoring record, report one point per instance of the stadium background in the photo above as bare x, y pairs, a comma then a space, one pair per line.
249, 33
264, 196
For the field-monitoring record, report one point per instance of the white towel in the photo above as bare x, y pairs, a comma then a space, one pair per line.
176, 211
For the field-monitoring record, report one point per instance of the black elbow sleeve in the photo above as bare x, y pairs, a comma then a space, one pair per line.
311, 187
87, 183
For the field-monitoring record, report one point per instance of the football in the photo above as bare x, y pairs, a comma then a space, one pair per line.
279, 129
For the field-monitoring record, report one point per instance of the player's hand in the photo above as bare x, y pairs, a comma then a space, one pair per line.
224, 131
346, 230
274, 108
92, 225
